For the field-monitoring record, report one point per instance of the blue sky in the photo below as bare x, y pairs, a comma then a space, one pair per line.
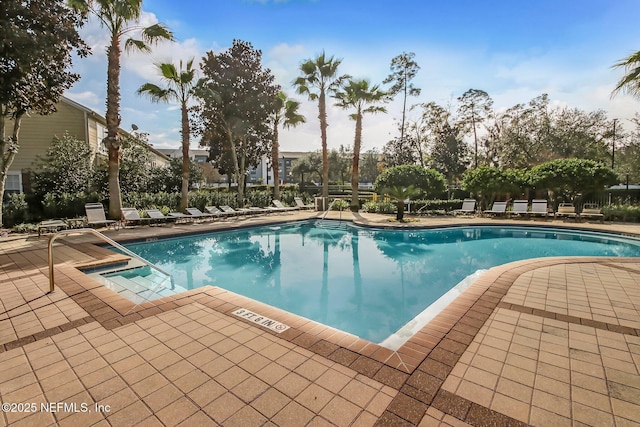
513, 50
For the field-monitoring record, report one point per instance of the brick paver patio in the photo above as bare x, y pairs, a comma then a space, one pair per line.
543, 342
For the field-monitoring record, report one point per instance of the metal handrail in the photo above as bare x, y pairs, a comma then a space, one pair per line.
101, 236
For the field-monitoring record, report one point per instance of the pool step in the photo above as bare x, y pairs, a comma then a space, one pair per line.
331, 225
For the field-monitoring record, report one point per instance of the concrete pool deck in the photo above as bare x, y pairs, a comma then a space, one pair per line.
542, 342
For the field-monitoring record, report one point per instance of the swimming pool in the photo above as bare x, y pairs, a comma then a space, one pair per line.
368, 282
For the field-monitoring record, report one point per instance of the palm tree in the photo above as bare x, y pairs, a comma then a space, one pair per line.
400, 194
358, 94
120, 17
286, 113
320, 74
630, 83
180, 84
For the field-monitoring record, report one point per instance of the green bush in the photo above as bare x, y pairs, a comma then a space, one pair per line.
435, 205
380, 206
626, 213
339, 205
15, 210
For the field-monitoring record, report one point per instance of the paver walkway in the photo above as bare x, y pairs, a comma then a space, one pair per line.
539, 342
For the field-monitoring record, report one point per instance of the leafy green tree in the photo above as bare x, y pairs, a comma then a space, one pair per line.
449, 153
399, 152
486, 182
369, 169
400, 194
65, 168
403, 70
286, 113
35, 57
320, 78
121, 18
426, 180
630, 82
179, 87
237, 98
567, 178
339, 164
310, 165
363, 97
475, 106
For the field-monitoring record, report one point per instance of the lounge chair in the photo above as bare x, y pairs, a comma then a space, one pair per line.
567, 210
51, 226
156, 216
180, 216
232, 212
214, 210
520, 207
592, 211
301, 205
468, 207
498, 208
197, 213
96, 216
131, 216
254, 210
539, 207
280, 207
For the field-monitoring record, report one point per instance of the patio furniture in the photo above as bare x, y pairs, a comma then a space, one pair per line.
591, 210
180, 216
214, 210
279, 207
51, 226
132, 216
197, 213
156, 216
468, 207
567, 210
301, 205
230, 211
520, 207
540, 207
97, 217
498, 208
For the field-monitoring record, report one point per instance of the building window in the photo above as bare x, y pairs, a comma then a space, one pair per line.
101, 133
13, 183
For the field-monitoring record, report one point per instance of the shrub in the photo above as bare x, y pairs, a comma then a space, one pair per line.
15, 210
380, 206
626, 213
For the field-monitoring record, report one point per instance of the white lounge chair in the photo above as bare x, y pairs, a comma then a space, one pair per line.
232, 212
468, 207
567, 210
498, 208
198, 214
132, 216
96, 216
520, 207
592, 211
156, 216
301, 205
540, 207
280, 207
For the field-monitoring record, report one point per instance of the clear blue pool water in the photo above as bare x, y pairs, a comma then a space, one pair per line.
368, 282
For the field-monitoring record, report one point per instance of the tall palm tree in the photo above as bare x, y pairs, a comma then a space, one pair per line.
180, 84
358, 94
286, 112
630, 83
121, 18
319, 78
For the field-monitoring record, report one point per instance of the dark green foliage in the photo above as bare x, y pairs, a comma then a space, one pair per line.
15, 210
65, 168
427, 180
568, 177
626, 213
